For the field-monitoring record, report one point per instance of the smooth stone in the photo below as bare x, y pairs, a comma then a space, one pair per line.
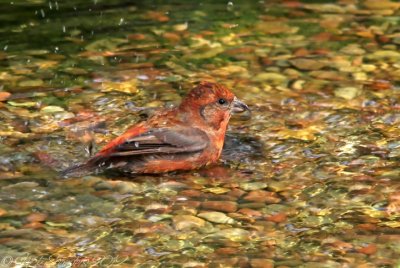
273, 78
128, 187
249, 186
347, 93
383, 4
4, 95
129, 86
52, 109
262, 263
360, 76
277, 217
36, 217
250, 212
181, 27
326, 8
353, 49
31, 83
233, 234
368, 67
23, 104
181, 222
307, 64
328, 75
217, 217
104, 185
385, 55
298, 84
261, 196
224, 206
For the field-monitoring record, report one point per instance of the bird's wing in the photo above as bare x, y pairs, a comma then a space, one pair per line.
163, 141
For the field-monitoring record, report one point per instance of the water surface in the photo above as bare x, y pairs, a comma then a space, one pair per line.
312, 180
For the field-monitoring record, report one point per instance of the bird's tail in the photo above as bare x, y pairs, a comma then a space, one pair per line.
91, 166
77, 171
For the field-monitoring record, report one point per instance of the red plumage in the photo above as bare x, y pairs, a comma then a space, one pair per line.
183, 138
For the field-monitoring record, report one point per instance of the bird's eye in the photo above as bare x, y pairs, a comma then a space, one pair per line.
222, 101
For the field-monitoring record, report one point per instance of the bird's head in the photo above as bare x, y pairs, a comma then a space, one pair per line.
214, 103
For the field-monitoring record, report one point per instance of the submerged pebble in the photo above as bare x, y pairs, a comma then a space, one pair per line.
308, 181
217, 217
347, 93
233, 234
182, 222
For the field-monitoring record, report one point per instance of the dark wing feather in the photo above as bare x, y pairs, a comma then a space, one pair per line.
154, 141
164, 140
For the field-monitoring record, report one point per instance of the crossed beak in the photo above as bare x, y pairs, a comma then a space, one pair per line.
239, 107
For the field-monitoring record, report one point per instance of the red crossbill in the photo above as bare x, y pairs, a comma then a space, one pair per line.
187, 137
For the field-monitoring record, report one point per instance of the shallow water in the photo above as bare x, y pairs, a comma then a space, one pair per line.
311, 180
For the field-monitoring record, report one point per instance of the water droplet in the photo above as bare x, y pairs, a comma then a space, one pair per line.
64, 29
42, 13
121, 21
5, 47
50, 5
229, 6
